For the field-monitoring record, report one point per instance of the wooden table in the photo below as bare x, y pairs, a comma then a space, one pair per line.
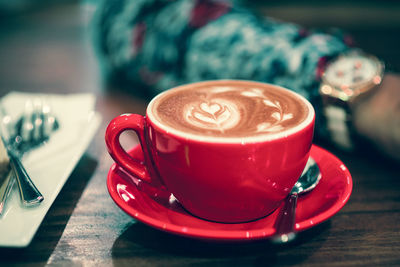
47, 50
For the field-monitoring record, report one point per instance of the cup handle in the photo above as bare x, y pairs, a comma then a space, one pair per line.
116, 127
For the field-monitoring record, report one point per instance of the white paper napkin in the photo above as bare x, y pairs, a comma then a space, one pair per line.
50, 165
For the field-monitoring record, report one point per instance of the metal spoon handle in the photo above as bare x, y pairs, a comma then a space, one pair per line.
5, 190
30, 195
286, 220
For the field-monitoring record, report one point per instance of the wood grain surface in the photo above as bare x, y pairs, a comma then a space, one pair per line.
48, 49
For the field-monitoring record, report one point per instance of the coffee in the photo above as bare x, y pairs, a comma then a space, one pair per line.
230, 109
229, 151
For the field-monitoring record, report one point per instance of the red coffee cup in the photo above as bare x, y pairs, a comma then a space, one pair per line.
224, 180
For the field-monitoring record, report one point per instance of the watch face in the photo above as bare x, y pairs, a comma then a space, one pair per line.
351, 71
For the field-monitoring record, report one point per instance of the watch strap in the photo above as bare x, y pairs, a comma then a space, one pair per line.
339, 126
337, 103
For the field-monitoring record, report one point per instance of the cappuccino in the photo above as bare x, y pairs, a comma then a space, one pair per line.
229, 151
230, 110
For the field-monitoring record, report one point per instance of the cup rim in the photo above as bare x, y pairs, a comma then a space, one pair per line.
309, 120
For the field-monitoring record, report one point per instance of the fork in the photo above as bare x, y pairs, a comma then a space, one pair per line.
31, 130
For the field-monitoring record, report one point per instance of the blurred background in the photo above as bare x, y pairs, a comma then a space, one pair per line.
47, 44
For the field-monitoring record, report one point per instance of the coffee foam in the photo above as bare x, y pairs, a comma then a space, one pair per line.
230, 111
218, 115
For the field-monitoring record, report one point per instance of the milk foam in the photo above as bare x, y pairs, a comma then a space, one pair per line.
217, 114
230, 111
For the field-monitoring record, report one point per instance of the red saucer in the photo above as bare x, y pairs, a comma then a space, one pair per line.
160, 210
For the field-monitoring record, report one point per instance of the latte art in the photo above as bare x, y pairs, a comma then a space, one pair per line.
279, 114
218, 115
229, 109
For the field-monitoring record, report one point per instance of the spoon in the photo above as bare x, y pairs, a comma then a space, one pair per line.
286, 219
30, 131
5, 190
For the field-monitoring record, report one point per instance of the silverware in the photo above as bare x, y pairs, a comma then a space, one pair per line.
30, 131
286, 219
5, 190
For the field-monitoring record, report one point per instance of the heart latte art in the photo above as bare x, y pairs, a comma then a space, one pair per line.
229, 109
217, 114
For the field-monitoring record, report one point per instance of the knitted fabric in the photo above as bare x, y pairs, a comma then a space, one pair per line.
160, 44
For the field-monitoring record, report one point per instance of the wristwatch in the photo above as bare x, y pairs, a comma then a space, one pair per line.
345, 80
